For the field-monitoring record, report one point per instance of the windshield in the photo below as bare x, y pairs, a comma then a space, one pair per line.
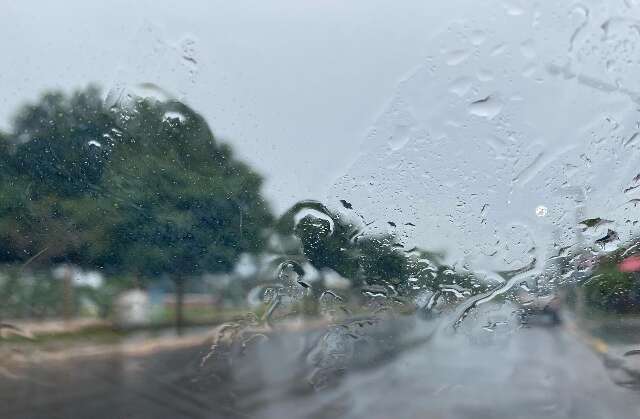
320, 209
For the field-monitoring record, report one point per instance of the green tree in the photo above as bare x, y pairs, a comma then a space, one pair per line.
142, 189
184, 205
607, 289
47, 161
327, 239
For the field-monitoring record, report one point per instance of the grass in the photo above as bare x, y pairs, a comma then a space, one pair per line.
199, 315
110, 334
100, 334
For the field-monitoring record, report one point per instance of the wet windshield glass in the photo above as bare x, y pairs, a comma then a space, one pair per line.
320, 209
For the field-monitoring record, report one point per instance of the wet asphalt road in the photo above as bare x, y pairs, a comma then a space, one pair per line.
391, 369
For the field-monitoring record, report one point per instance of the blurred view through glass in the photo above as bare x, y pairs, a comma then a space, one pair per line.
320, 209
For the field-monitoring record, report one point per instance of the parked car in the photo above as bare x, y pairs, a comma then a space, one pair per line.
543, 310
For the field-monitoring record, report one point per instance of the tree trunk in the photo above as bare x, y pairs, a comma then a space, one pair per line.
179, 307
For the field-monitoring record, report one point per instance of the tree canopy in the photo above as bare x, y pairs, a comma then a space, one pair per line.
141, 188
328, 239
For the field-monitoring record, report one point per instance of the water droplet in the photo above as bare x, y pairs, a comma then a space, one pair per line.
582, 15
611, 237
513, 9
400, 138
313, 212
536, 19
527, 49
541, 211
489, 107
484, 75
477, 37
460, 86
498, 50
151, 90
346, 204
170, 116
610, 65
290, 270
529, 71
188, 50
457, 57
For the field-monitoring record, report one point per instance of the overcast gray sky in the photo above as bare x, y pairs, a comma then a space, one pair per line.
293, 85
489, 125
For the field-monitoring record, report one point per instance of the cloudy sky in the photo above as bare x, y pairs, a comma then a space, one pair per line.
293, 85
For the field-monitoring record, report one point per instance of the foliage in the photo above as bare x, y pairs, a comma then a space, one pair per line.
28, 296
36, 294
329, 240
143, 188
610, 290
184, 205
